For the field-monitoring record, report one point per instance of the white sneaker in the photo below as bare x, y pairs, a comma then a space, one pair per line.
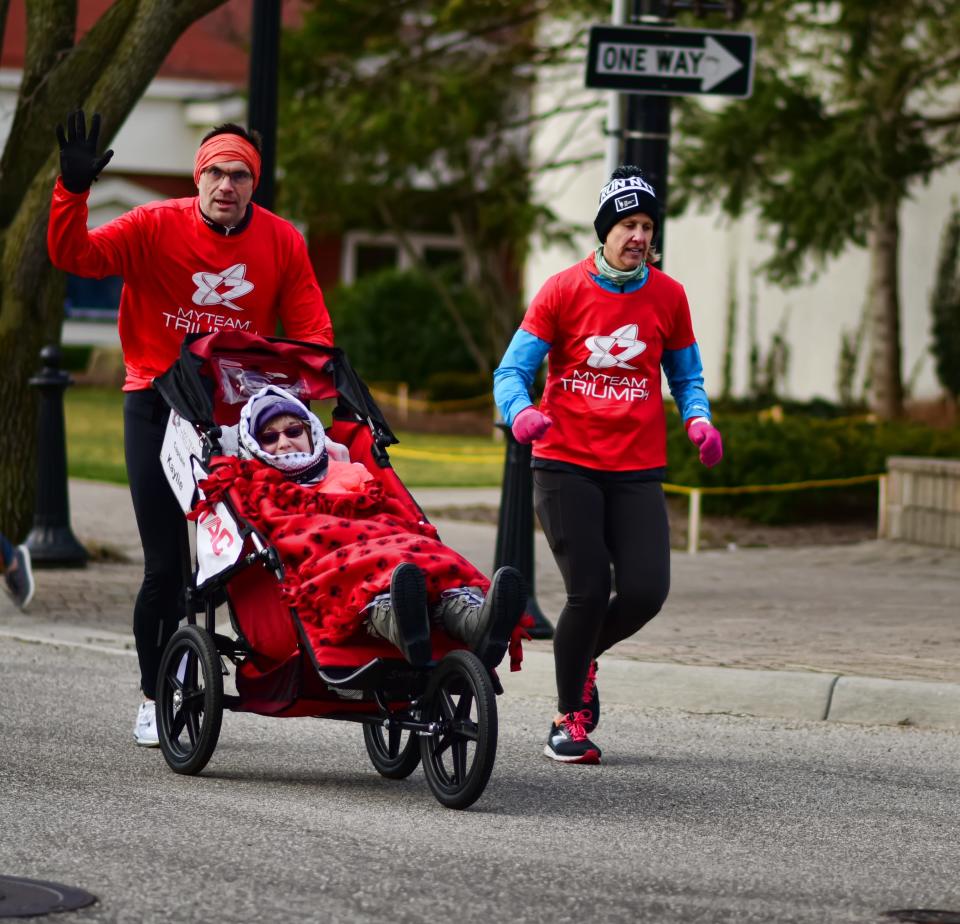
145, 729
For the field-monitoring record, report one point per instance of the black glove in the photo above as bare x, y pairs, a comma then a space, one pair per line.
79, 164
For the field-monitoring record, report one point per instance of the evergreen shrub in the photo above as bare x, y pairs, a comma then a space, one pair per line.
75, 357
454, 386
394, 326
801, 449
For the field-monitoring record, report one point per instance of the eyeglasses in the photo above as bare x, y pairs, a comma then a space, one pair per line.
237, 177
272, 437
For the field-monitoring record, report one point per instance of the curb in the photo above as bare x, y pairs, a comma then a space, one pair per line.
802, 695
873, 701
797, 695
105, 642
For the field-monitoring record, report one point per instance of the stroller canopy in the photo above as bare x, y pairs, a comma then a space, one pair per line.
217, 372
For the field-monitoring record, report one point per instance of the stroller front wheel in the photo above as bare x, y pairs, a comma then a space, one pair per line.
189, 700
458, 758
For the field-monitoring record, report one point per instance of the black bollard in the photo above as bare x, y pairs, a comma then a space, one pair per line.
51, 541
515, 525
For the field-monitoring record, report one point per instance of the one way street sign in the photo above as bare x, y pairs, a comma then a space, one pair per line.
670, 62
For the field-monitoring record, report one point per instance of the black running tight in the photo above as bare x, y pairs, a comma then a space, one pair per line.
592, 522
163, 533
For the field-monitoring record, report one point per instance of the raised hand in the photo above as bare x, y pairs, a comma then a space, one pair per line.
79, 163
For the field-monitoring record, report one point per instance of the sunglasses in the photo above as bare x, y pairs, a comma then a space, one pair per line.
272, 437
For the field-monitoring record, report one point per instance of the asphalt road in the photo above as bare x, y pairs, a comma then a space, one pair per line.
690, 818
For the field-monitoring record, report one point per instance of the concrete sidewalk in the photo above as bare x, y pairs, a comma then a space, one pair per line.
867, 633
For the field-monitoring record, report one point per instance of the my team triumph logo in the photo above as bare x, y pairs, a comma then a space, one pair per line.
602, 347
231, 281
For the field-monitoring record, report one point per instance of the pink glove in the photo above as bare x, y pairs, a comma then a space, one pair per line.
707, 437
530, 425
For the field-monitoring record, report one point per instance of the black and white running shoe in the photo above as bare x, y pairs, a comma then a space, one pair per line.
568, 741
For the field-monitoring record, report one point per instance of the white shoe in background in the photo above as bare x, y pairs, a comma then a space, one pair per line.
145, 729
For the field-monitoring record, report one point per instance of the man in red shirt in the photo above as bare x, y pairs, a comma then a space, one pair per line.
209, 262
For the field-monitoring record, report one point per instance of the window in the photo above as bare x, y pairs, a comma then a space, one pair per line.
92, 298
364, 254
371, 258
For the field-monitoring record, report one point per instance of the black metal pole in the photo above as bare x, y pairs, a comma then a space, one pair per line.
647, 144
515, 525
262, 102
51, 541
646, 135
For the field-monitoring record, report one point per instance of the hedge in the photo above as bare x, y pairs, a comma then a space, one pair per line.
801, 449
394, 326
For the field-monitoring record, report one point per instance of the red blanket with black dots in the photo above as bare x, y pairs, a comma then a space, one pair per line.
339, 550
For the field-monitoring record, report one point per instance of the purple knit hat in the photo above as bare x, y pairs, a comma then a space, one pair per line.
271, 409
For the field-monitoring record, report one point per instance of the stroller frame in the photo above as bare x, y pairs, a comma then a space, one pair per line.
443, 714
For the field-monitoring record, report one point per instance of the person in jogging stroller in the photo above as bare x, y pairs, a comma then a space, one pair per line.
429, 584
343, 602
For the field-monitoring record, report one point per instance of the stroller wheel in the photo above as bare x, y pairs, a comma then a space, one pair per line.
458, 758
189, 700
393, 757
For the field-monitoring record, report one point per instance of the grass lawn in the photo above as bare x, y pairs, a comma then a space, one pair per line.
94, 425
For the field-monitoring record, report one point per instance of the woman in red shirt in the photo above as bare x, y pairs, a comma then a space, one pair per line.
606, 326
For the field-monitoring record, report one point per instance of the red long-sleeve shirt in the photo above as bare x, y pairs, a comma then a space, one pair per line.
180, 276
603, 375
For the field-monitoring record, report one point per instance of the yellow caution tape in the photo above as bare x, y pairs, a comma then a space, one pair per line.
421, 404
766, 488
486, 459
429, 456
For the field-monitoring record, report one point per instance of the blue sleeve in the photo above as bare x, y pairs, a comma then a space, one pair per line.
685, 377
514, 376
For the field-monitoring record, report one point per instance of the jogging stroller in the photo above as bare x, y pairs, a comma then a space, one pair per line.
443, 714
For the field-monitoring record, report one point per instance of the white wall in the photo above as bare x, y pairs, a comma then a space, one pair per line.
700, 249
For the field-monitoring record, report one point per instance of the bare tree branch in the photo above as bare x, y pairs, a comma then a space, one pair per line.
934, 123
446, 298
51, 26
61, 73
536, 118
918, 78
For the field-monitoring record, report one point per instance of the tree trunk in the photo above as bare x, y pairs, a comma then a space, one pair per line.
19, 465
107, 71
886, 385
31, 314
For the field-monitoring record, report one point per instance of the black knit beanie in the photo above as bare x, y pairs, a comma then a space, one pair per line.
623, 196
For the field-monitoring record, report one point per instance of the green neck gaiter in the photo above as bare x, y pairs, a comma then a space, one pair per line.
618, 277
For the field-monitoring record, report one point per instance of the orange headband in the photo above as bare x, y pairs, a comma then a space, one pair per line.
222, 148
